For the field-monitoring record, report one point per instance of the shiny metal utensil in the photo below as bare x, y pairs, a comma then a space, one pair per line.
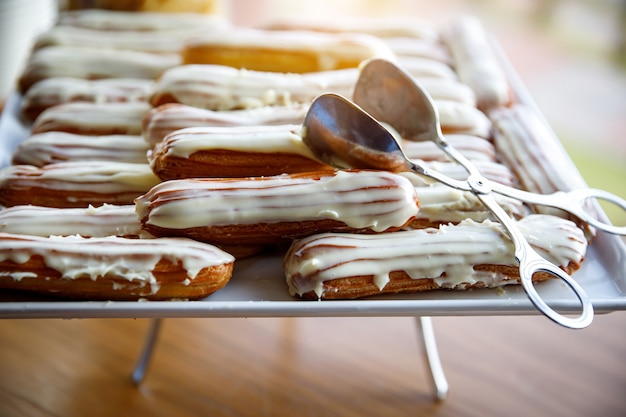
391, 95
343, 135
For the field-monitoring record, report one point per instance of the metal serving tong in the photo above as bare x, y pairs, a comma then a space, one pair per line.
344, 134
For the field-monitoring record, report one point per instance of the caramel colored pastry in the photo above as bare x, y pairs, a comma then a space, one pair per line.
75, 184
95, 119
53, 147
269, 210
476, 63
248, 151
112, 268
283, 51
54, 91
118, 20
106, 220
93, 64
165, 119
456, 257
218, 87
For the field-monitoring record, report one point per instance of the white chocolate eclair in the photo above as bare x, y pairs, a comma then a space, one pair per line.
160, 42
283, 51
392, 27
269, 210
165, 119
233, 151
54, 91
75, 184
467, 255
93, 118
219, 87
93, 64
476, 63
106, 220
116, 20
53, 147
112, 268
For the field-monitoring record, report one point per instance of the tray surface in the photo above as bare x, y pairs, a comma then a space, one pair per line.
258, 288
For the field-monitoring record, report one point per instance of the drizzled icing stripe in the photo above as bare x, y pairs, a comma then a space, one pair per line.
106, 220
93, 63
218, 87
360, 199
96, 176
263, 139
447, 255
102, 118
133, 259
168, 118
52, 147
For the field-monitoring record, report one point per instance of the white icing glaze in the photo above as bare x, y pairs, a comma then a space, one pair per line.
360, 199
440, 203
263, 139
53, 91
122, 117
327, 49
218, 87
95, 176
149, 21
171, 117
170, 41
457, 117
427, 253
95, 63
52, 147
473, 148
106, 220
133, 259
409, 27
427, 68
476, 64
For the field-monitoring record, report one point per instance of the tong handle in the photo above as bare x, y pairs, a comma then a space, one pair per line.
530, 262
572, 202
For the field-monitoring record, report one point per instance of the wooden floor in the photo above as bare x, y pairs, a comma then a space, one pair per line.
513, 366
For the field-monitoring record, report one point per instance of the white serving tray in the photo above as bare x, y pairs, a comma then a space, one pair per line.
258, 288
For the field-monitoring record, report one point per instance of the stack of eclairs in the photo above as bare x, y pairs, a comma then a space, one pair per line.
164, 147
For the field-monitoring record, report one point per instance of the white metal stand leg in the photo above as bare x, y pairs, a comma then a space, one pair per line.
439, 381
141, 366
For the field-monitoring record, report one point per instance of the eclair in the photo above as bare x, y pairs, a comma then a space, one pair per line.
230, 152
165, 119
93, 118
455, 257
219, 87
476, 63
117, 20
75, 184
112, 268
272, 210
54, 147
93, 64
283, 51
54, 91
106, 220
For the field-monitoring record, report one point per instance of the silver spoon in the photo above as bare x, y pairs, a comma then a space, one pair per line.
342, 134
391, 95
